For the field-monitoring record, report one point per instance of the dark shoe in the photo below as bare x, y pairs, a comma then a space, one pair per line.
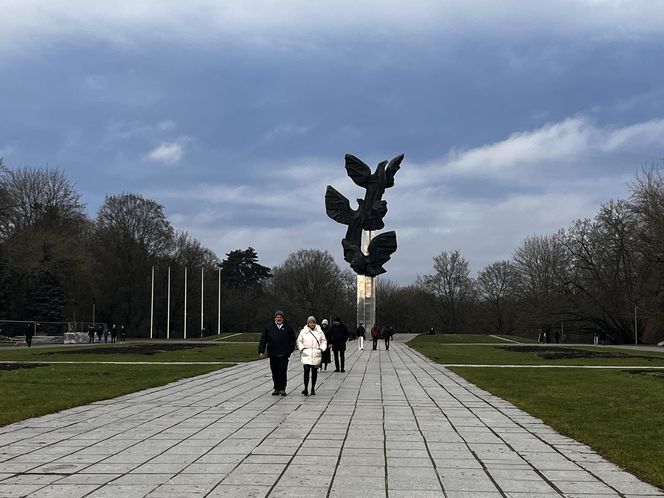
336, 369
313, 393
283, 393
275, 392
305, 392
342, 370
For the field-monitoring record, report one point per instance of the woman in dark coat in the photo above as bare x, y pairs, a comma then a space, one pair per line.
326, 358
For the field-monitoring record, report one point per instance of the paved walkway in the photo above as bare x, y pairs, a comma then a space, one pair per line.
393, 425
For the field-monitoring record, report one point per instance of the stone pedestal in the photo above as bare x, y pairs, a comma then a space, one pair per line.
366, 301
366, 291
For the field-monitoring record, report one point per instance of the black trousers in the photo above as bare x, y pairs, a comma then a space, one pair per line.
387, 342
338, 354
375, 342
314, 376
279, 367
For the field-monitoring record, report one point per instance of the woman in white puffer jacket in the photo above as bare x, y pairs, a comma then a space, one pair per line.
311, 343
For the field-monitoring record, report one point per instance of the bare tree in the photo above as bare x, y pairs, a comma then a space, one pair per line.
497, 287
600, 282
132, 234
36, 196
647, 201
451, 287
309, 282
539, 262
42, 229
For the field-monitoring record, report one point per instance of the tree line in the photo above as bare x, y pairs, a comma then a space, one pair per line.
57, 264
603, 274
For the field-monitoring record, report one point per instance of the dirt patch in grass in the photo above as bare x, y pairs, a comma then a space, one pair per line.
648, 373
146, 349
558, 353
16, 366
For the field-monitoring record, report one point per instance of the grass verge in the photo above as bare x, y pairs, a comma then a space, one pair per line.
30, 392
142, 351
619, 413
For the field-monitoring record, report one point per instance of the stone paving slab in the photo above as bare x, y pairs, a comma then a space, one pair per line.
393, 425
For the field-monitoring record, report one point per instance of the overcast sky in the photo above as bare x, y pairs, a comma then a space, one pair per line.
515, 117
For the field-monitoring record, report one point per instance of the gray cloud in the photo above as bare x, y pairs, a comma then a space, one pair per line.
123, 22
427, 208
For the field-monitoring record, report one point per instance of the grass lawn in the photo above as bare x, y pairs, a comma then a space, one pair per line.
30, 392
544, 354
619, 413
468, 339
242, 337
233, 337
139, 351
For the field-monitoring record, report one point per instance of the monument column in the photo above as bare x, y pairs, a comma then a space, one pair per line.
366, 290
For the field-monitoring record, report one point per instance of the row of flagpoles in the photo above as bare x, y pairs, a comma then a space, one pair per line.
168, 304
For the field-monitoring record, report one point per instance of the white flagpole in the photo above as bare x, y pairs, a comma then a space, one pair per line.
168, 306
152, 306
202, 296
185, 303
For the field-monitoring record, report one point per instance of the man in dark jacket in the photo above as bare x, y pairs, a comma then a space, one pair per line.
339, 334
279, 338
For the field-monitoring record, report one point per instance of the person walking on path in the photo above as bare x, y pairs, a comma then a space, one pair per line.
387, 335
311, 342
279, 339
339, 335
326, 357
28, 335
375, 334
360, 337
114, 333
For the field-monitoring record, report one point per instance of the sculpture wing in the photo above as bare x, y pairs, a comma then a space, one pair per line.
357, 170
391, 170
337, 206
381, 248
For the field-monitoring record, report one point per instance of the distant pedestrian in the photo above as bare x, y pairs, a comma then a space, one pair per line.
375, 334
114, 333
360, 336
279, 339
556, 336
29, 332
326, 357
91, 334
540, 336
387, 335
432, 331
339, 335
123, 333
100, 332
311, 342
106, 334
